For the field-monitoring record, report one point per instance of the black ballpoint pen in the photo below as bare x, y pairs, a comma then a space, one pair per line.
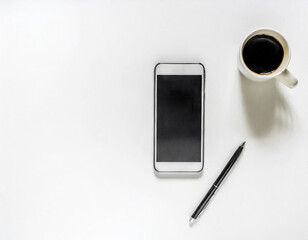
216, 184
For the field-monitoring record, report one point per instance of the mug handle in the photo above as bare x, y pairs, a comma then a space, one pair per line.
287, 79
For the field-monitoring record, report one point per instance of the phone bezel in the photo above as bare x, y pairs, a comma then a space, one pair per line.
179, 69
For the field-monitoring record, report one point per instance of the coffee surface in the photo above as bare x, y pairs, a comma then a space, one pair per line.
263, 54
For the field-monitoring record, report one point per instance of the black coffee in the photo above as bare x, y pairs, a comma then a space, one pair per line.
262, 54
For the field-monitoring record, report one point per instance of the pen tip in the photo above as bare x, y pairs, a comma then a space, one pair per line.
191, 220
243, 144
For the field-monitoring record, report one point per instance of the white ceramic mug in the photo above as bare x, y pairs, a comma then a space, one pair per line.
281, 73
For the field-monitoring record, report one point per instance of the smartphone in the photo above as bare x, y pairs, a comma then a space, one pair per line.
179, 117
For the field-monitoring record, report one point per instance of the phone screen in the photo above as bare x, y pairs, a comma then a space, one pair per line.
179, 123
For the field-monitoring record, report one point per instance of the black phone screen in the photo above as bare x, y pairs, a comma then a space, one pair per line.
179, 123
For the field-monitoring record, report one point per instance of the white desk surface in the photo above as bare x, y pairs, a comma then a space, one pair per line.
76, 121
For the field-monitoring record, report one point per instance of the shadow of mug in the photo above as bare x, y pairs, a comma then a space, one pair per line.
264, 106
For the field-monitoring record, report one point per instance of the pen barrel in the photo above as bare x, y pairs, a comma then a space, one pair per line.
204, 202
227, 168
216, 184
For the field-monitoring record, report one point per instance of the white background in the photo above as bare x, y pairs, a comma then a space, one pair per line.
76, 121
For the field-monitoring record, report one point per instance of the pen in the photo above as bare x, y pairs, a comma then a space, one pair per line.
216, 184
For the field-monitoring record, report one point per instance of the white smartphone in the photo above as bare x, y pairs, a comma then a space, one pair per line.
179, 92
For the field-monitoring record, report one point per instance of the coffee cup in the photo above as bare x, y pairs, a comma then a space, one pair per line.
264, 55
